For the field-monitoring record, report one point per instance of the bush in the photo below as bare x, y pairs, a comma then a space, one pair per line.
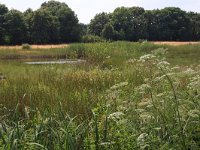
78, 50
92, 39
26, 46
142, 40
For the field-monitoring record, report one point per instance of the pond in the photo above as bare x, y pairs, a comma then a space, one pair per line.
64, 61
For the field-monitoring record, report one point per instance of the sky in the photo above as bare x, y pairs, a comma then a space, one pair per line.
86, 9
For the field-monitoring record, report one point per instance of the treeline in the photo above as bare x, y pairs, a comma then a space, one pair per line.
135, 23
55, 22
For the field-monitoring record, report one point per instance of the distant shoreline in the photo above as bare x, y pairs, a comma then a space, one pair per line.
173, 43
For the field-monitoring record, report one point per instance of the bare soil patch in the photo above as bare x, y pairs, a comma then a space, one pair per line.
36, 46
175, 43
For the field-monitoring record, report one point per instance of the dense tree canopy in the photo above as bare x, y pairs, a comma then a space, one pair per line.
134, 23
195, 25
15, 27
97, 24
108, 32
45, 27
55, 22
68, 22
3, 11
128, 21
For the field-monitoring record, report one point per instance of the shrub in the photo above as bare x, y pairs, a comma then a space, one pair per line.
78, 50
26, 46
92, 39
142, 40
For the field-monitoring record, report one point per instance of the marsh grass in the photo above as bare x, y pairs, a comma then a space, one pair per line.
126, 96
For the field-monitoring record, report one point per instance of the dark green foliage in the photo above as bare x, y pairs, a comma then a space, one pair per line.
171, 24
45, 27
83, 28
3, 11
97, 24
15, 27
54, 23
134, 23
91, 39
69, 29
28, 17
195, 25
108, 32
129, 22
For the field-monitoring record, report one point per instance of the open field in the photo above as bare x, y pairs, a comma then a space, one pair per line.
124, 95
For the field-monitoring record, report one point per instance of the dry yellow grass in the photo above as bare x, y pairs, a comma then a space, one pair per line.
35, 46
66, 45
175, 43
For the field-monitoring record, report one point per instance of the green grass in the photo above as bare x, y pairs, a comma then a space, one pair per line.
116, 100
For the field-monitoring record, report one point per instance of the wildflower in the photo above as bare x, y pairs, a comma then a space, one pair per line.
122, 108
139, 110
116, 115
108, 57
107, 143
158, 128
147, 57
142, 137
163, 64
195, 83
146, 116
117, 86
149, 106
131, 61
160, 95
160, 78
123, 122
144, 103
175, 68
160, 52
189, 71
143, 88
194, 113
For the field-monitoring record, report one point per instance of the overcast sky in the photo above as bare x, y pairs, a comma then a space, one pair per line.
86, 9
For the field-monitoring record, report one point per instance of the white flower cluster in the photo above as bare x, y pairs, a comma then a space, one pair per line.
132, 61
142, 88
160, 52
116, 116
194, 113
189, 71
117, 86
141, 140
148, 57
163, 65
195, 83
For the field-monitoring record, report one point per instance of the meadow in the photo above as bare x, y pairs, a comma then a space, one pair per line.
125, 96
